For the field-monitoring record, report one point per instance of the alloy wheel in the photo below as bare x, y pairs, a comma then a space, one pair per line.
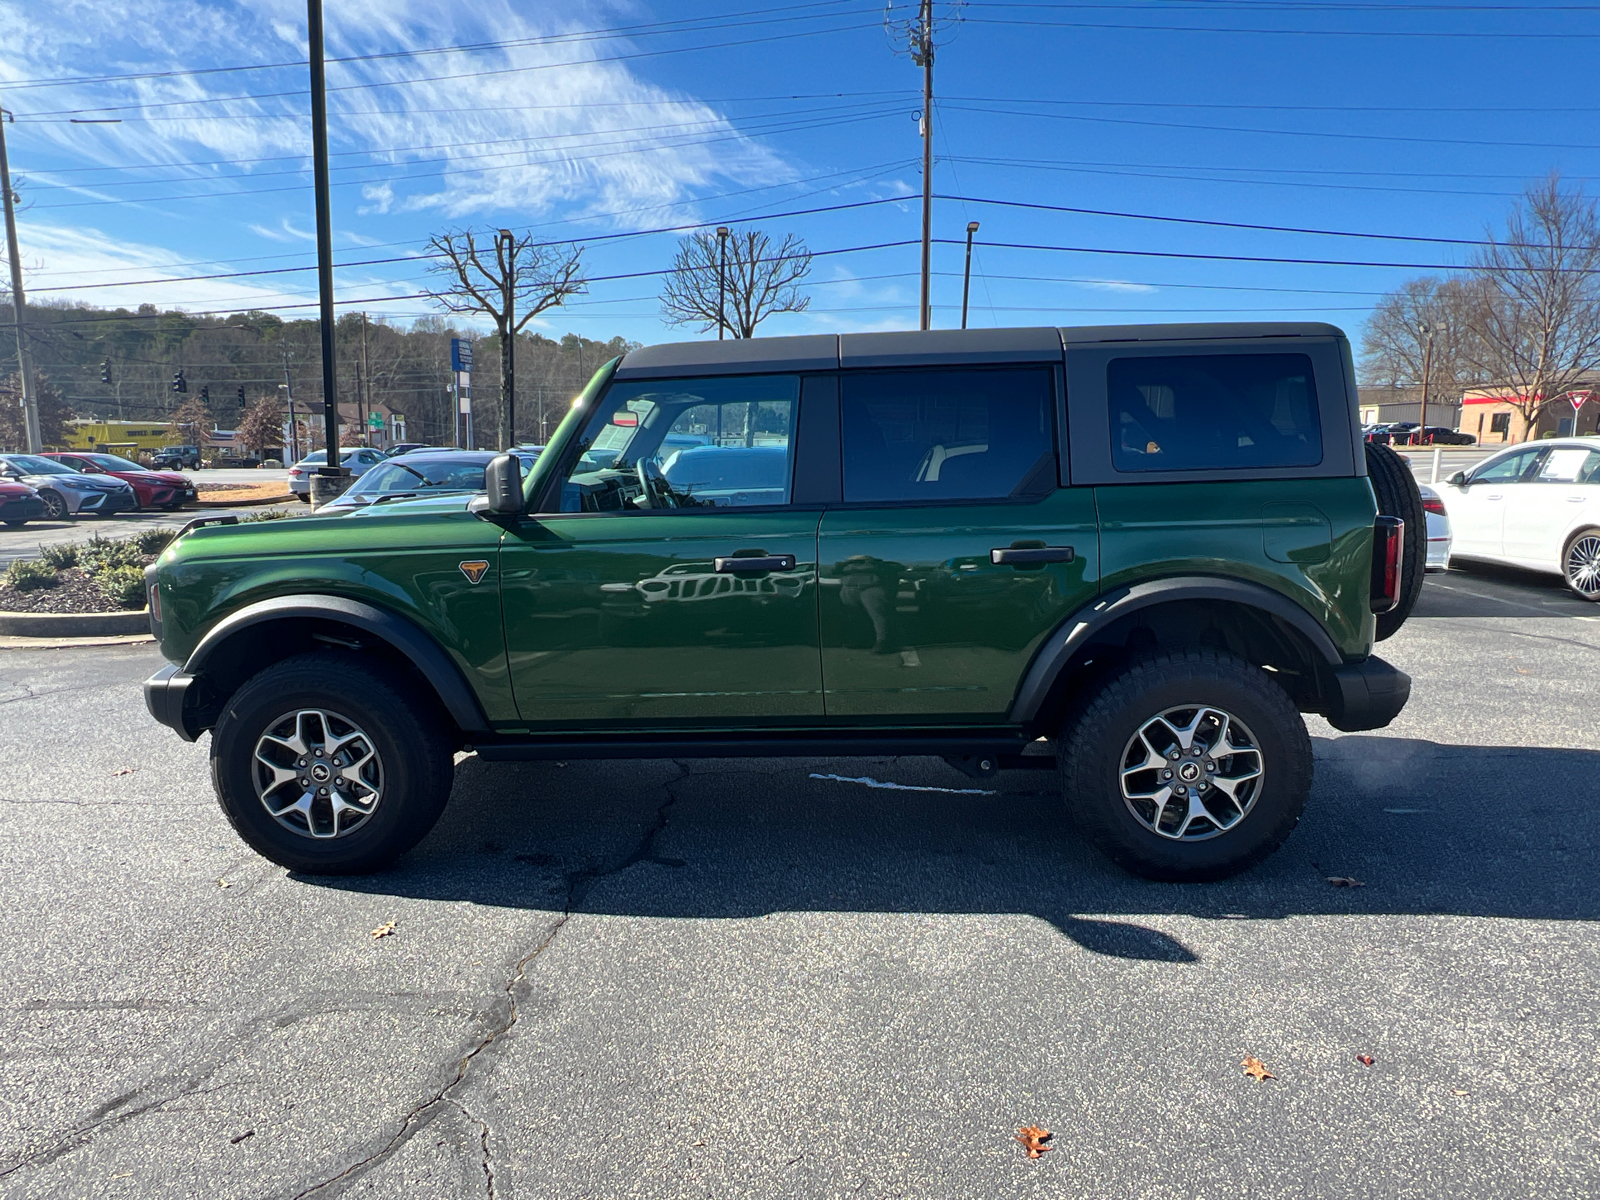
1582, 566
317, 773
54, 506
1191, 773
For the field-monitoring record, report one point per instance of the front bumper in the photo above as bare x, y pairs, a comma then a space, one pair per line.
104, 503
164, 695
27, 508
1366, 695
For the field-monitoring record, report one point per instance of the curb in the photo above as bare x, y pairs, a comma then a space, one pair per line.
284, 499
72, 643
112, 624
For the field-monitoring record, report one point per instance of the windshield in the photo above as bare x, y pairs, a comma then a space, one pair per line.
319, 456
421, 474
28, 464
110, 462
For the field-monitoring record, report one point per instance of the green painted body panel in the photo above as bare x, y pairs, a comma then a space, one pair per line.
622, 619
407, 563
1309, 539
918, 624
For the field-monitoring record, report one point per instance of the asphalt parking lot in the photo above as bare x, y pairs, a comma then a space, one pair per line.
818, 978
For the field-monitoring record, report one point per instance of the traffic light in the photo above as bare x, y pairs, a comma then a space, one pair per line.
241, 395
105, 371
179, 383
205, 394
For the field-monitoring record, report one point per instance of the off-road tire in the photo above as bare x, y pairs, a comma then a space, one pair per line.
1398, 496
416, 758
1096, 730
1566, 574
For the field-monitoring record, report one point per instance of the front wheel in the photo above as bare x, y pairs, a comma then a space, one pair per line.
17, 524
55, 505
1186, 766
1580, 564
324, 763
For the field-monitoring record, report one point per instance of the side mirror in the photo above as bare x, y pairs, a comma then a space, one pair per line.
1459, 479
503, 486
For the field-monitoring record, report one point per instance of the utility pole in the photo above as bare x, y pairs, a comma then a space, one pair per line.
922, 55
319, 165
1426, 330
30, 403
722, 284
505, 246
364, 375
966, 274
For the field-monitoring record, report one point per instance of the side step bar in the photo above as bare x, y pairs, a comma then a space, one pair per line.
833, 744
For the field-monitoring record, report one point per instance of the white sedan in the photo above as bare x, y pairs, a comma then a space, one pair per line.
1537, 506
1438, 529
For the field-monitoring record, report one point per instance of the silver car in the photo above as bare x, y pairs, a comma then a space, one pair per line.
67, 492
358, 459
1438, 529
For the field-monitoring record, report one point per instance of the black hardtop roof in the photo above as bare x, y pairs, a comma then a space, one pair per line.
827, 351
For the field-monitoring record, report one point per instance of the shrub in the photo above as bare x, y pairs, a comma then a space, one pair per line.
104, 554
153, 541
60, 556
123, 585
28, 575
264, 514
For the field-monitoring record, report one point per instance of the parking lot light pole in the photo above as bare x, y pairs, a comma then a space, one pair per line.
319, 165
966, 275
722, 276
30, 406
1426, 330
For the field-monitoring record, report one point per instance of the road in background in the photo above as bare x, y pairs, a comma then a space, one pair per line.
818, 978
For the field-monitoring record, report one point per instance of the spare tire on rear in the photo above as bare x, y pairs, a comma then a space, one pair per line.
1396, 489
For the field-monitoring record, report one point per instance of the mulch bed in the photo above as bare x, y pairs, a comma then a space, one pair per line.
75, 592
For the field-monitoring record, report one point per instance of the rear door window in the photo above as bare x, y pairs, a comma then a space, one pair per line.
1213, 412
932, 436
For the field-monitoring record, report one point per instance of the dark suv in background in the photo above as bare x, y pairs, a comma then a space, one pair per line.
1137, 554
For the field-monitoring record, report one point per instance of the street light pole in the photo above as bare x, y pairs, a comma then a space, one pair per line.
319, 170
30, 404
966, 274
722, 275
505, 247
1426, 330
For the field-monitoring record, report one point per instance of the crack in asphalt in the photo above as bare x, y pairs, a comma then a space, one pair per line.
488, 1164
578, 883
107, 1116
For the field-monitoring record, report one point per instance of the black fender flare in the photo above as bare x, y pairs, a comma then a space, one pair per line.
419, 649
1077, 630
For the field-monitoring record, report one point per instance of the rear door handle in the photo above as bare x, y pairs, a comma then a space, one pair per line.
765, 562
1016, 556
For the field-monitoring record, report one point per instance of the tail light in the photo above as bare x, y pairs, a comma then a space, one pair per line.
1434, 505
1388, 562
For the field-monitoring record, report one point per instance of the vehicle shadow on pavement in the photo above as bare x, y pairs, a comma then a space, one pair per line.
1506, 832
1483, 589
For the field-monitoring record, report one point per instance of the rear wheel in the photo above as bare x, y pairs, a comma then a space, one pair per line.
1186, 766
1398, 496
324, 764
1580, 564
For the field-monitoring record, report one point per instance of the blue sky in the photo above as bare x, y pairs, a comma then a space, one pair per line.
605, 119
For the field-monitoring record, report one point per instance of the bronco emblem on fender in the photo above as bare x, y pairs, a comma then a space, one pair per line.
474, 569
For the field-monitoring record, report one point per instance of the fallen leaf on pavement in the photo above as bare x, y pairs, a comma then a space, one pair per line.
1033, 1140
223, 883
124, 770
1364, 1059
1344, 881
1457, 1092
1257, 1069
384, 930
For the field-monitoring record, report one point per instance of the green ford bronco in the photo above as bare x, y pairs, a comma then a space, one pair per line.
1134, 554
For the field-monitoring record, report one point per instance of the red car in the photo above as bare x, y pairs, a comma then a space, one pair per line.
152, 489
19, 503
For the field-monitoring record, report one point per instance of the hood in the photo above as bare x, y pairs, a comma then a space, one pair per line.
160, 477
14, 490
449, 502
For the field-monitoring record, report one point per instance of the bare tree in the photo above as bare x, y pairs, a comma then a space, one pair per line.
262, 426
758, 280
511, 282
1534, 319
1395, 348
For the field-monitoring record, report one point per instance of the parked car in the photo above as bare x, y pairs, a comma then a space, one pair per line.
66, 491
1535, 505
235, 460
421, 473
1438, 529
1440, 435
405, 448
938, 569
176, 458
151, 489
359, 460
19, 503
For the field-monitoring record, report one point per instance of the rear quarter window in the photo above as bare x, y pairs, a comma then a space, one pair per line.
1213, 412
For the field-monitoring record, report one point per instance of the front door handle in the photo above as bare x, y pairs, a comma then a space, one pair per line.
764, 562
1017, 556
